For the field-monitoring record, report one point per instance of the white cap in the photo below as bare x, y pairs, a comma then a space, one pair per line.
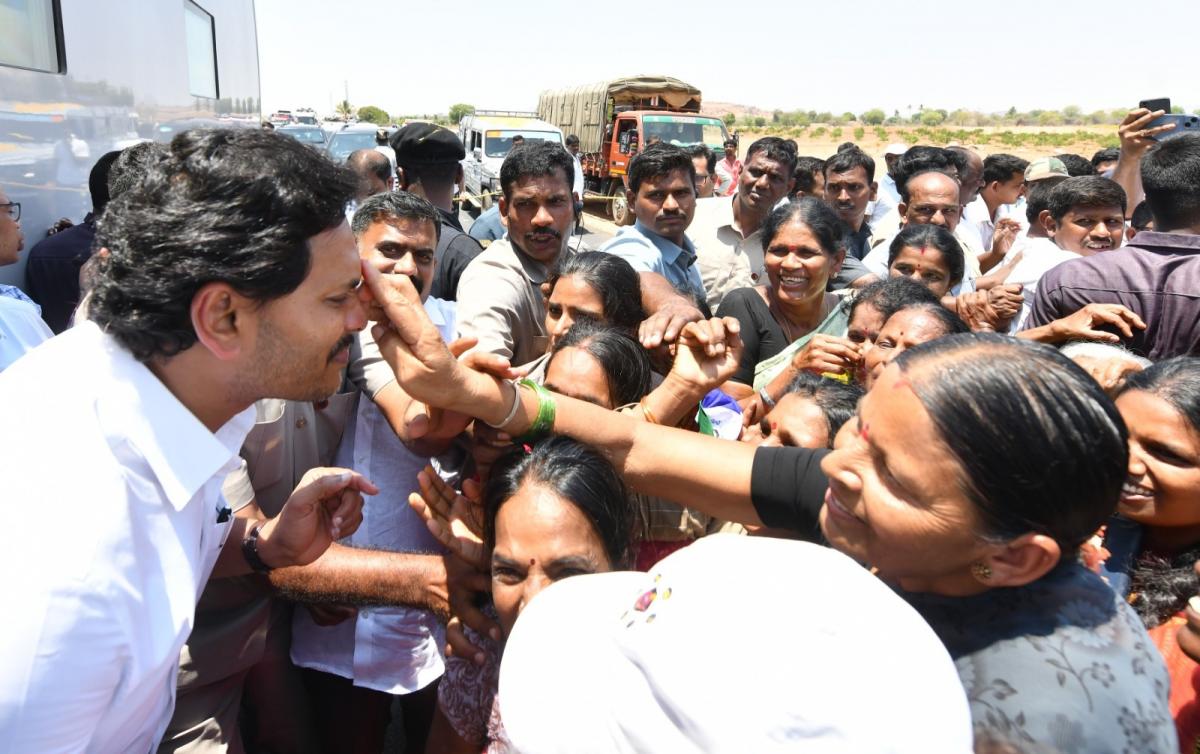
896, 149
733, 644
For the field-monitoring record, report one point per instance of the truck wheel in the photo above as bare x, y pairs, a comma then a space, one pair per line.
619, 208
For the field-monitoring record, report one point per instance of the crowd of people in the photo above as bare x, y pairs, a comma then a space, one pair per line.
810, 456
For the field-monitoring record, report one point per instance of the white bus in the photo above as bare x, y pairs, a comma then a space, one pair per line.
79, 78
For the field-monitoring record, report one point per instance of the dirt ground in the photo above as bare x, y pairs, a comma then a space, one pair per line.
1066, 139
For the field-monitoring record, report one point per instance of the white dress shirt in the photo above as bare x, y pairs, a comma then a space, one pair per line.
1039, 256
21, 329
118, 486
396, 650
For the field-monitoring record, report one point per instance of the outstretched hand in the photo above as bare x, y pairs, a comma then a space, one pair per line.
326, 506
1083, 324
455, 519
708, 353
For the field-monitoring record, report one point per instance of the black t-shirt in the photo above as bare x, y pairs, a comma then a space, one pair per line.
787, 488
455, 251
762, 337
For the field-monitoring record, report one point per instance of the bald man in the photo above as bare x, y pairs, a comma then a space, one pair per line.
374, 172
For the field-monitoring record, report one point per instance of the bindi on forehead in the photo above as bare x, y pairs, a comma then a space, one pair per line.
864, 431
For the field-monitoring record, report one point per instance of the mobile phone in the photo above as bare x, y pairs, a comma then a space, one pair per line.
1184, 124
1153, 105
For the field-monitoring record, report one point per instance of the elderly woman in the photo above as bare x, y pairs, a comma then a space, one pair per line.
1048, 654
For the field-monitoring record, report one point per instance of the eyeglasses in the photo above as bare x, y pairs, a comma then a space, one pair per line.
13, 209
702, 177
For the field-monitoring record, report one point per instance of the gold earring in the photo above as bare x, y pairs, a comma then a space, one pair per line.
981, 571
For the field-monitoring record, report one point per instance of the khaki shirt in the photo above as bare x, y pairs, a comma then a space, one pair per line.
726, 260
500, 302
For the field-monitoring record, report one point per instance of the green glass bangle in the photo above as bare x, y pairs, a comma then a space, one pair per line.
544, 422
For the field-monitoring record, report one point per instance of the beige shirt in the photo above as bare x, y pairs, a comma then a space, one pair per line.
500, 302
726, 260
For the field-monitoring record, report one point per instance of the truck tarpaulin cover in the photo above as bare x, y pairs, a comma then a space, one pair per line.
583, 110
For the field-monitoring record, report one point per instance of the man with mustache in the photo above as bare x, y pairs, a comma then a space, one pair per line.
662, 192
358, 662
499, 295
726, 230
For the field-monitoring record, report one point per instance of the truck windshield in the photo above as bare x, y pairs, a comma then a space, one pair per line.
499, 143
682, 130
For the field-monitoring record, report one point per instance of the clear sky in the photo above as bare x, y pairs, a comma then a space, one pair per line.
420, 57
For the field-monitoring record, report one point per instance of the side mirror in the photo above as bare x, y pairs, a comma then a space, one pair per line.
478, 153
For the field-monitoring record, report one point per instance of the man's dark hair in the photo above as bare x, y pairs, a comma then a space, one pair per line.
848, 159
658, 161
837, 402
237, 206
391, 206
433, 176
572, 140
1002, 167
132, 165
921, 159
1085, 191
806, 173
902, 186
1108, 154
1077, 165
1142, 217
847, 145
368, 162
1171, 178
1037, 196
776, 149
98, 180
536, 160
710, 157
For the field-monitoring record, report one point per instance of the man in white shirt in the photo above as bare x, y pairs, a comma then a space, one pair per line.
577, 183
727, 231
226, 276
1003, 184
385, 652
887, 196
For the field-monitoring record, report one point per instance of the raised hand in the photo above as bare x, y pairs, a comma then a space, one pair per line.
326, 506
453, 518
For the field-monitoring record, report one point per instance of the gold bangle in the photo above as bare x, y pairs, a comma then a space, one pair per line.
646, 412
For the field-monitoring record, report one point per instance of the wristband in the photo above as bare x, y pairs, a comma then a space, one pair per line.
250, 551
516, 404
767, 401
647, 413
544, 421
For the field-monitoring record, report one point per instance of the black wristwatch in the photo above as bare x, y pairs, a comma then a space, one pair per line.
250, 551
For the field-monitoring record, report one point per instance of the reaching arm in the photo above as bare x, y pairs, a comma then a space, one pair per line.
705, 473
667, 310
355, 576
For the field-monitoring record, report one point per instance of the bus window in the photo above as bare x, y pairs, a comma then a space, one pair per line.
201, 51
28, 38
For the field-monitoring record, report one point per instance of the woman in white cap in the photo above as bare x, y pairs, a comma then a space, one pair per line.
975, 469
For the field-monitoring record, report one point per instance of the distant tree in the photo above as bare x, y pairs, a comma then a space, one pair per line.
1049, 118
1012, 112
730, 119
859, 133
823, 117
933, 118
372, 114
873, 117
344, 109
777, 116
458, 111
849, 116
760, 121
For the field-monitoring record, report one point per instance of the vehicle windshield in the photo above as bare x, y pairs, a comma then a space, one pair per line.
342, 144
499, 143
307, 120
306, 135
683, 130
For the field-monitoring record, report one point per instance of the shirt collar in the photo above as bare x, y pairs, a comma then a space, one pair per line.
137, 409
1185, 241
451, 219
669, 250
